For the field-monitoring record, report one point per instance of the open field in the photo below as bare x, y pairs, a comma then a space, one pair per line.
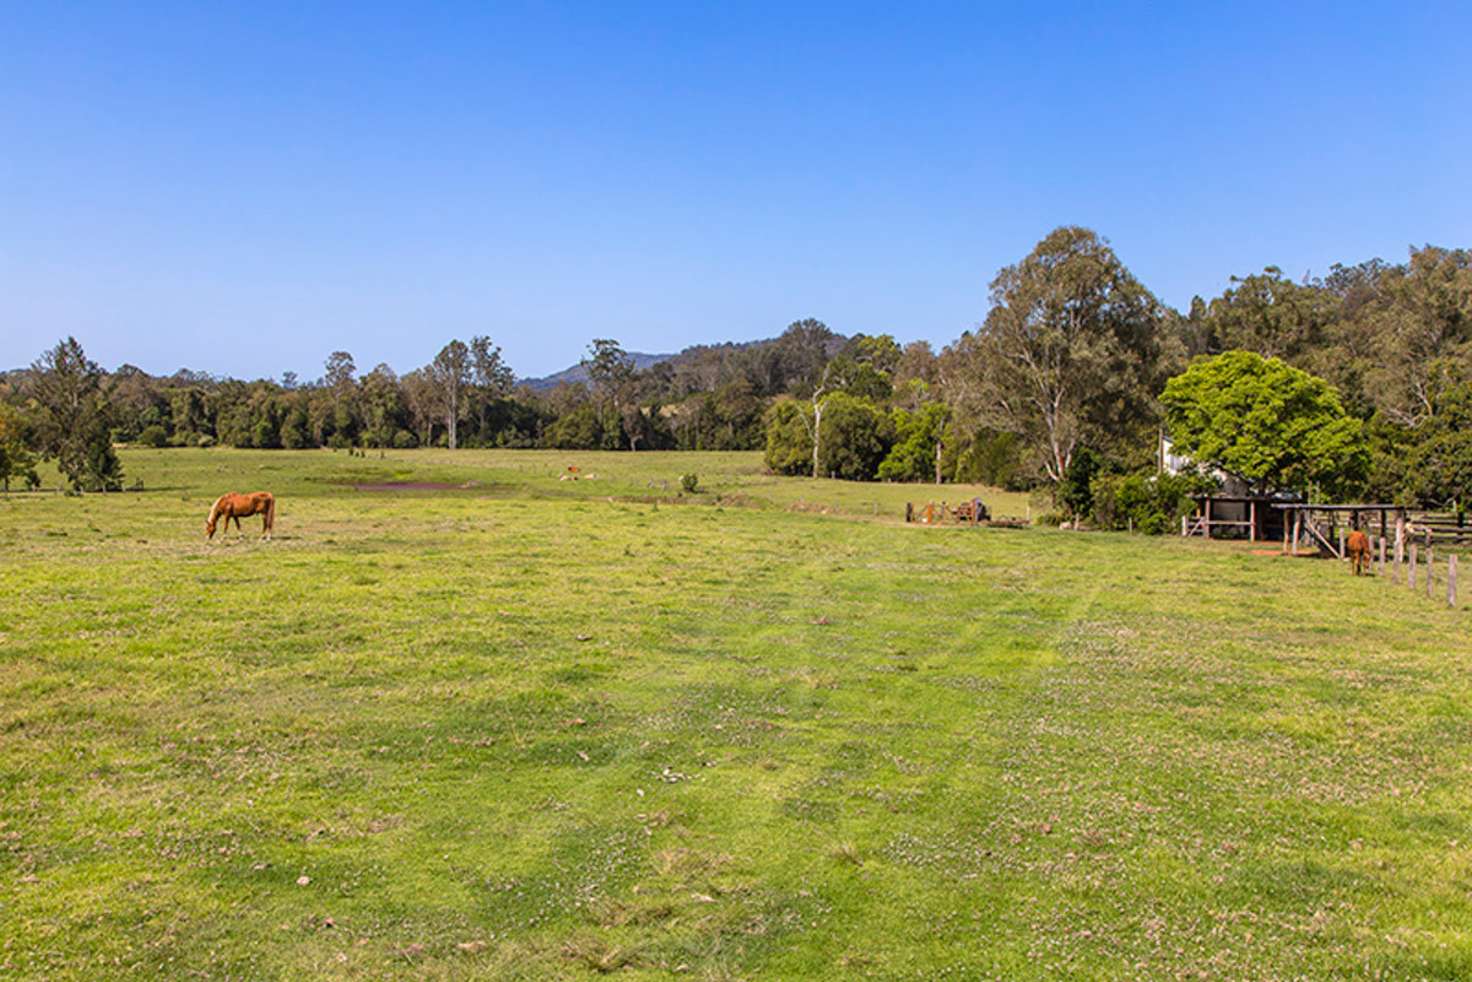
540, 728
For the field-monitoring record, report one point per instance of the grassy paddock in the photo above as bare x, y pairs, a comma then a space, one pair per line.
532, 728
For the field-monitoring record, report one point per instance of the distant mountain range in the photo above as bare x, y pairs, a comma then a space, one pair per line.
579, 373
568, 376
643, 360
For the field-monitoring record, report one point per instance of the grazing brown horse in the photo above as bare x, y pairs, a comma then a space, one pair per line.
1358, 548
238, 506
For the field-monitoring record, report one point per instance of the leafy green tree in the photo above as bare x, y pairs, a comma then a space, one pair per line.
856, 437
266, 432
190, 414
916, 377
799, 357
919, 437
1405, 326
1073, 350
1275, 426
17, 462
385, 416
789, 438
422, 398
832, 382
294, 429
990, 457
491, 380
340, 380
450, 372
873, 362
339, 371
234, 426
736, 417
136, 402
1075, 492
1269, 314
581, 429
611, 371
1433, 462
489, 370
860, 371
66, 385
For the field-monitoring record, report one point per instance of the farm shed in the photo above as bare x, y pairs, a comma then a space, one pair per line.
1235, 516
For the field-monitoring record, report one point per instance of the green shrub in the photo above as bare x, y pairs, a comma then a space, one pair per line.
154, 436
1152, 503
690, 483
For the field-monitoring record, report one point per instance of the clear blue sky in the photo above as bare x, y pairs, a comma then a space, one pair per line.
244, 191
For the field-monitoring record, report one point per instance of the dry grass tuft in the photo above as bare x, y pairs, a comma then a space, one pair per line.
598, 955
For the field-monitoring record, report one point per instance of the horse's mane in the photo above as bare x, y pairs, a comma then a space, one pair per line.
215, 508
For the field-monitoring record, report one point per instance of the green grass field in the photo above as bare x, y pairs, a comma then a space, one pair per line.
531, 728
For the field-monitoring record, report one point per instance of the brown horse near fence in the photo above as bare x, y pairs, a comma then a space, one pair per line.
238, 506
1357, 547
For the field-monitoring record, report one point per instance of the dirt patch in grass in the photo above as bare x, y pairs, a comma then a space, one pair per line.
415, 486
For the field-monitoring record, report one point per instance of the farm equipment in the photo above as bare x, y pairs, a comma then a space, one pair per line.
973, 512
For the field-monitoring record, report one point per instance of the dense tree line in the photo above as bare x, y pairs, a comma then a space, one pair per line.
1063, 385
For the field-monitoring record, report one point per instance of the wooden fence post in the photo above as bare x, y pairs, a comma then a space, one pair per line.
1340, 539
1285, 533
1411, 568
1297, 529
1183, 526
1400, 542
1451, 580
1382, 555
1430, 571
909, 512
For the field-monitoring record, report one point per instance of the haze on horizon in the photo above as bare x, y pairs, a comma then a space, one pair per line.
243, 192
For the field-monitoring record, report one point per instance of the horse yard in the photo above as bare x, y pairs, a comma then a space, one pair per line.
464, 718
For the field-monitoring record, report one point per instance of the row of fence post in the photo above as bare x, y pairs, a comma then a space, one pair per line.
1403, 556
1410, 558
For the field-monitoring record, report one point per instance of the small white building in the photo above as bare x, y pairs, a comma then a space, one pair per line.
1173, 463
